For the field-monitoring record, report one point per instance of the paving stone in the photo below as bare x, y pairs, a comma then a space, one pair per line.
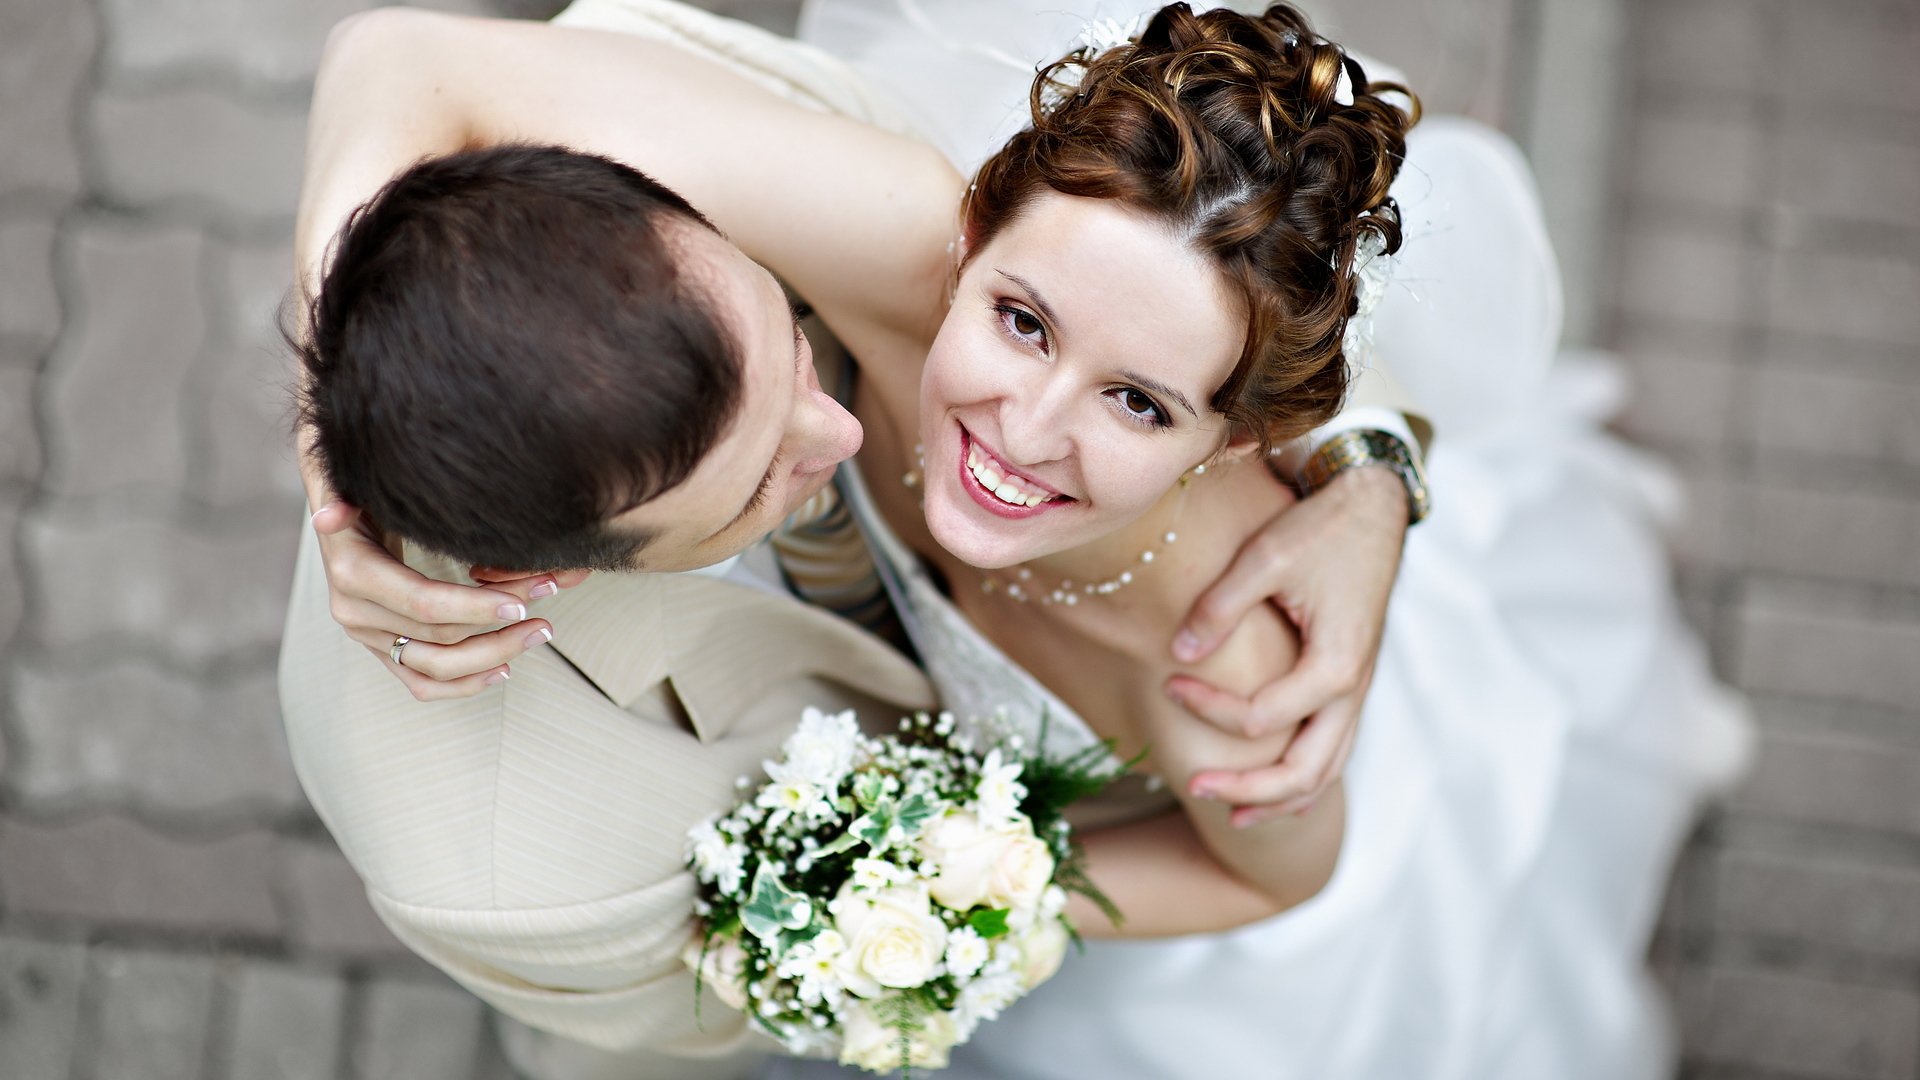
1844, 55
1861, 296
45, 53
12, 582
1834, 173
130, 732
153, 1014
1683, 385
276, 42
1829, 779
1694, 160
1693, 276
115, 870
1710, 44
328, 908
19, 433
1832, 413
1826, 901
156, 148
418, 1031
243, 396
190, 596
1859, 535
29, 306
1810, 643
116, 379
286, 1023
39, 1006
1790, 1022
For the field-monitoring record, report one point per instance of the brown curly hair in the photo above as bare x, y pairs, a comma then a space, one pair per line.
1225, 126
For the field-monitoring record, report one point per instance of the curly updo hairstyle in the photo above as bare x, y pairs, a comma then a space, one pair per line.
1227, 127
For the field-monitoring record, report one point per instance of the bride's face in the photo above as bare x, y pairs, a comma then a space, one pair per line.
1067, 390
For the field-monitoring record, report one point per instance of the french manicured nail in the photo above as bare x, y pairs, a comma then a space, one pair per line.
315, 516
511, 612
542, 590
1186, 646
497, 677
539, 637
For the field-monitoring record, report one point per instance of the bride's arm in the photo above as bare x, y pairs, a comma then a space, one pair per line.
854, 218
1166, 882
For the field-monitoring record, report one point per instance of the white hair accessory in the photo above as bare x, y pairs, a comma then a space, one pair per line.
1099, 35
1371, 269
1343, 90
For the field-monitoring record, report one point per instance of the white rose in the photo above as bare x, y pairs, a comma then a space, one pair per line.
978, 865
870, 1044
722, 968
1042, 949
893, 938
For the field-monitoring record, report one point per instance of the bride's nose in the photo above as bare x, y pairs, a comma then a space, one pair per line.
1036, 427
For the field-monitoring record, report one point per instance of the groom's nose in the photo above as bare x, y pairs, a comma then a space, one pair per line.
825, 433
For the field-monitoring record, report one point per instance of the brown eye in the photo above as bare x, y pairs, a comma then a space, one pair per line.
1025, 324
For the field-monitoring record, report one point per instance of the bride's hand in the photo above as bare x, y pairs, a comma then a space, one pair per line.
376, 598
1328, 564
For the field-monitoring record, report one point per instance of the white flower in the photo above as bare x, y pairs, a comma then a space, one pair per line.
716, 859
966, 951
873, 873
984, 998
1000, 791
820, 752
893, 938
871, 1044
1053, 901
1041, 951
1002, 868
791, 798
722, 968
811, 964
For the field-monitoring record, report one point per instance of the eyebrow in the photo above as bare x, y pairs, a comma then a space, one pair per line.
1053, 319
1046, 309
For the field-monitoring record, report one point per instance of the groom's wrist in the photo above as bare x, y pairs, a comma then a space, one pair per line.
1377, 462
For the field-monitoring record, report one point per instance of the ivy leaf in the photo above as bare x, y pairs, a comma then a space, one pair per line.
874, 825
846, 842
772, 907
868, 787
989, 922
914, 813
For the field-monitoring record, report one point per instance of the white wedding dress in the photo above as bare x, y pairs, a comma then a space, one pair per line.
1541, 728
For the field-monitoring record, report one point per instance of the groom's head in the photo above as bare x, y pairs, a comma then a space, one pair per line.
531, 358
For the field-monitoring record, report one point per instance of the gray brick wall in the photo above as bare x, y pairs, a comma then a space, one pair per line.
1767, 299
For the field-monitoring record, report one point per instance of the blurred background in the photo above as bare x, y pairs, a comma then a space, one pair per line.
1733, 186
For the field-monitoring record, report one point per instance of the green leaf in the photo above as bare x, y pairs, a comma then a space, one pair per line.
846, 842
915, 812
874, 825
772, 907
868, 787
989, 922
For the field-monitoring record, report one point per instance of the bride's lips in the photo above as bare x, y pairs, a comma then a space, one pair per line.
993, 503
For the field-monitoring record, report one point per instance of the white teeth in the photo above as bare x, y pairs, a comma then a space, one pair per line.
1004, 487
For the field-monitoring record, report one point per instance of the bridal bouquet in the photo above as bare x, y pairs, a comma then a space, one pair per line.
879, 898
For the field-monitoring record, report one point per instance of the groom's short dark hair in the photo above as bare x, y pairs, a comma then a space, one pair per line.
504, 353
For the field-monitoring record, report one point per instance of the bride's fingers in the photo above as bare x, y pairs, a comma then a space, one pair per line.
425, 689
479, 655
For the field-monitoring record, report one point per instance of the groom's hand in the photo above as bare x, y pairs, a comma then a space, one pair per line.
1328, 563
376, 598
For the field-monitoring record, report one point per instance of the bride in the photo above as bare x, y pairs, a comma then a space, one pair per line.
1152, 286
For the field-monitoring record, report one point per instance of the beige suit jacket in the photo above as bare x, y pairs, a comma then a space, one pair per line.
529, 841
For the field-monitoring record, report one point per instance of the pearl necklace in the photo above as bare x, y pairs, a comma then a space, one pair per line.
1021, 589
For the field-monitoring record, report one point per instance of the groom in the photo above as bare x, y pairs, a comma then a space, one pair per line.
492, 380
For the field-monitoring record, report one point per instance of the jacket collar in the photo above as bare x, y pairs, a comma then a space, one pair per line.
723, 646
